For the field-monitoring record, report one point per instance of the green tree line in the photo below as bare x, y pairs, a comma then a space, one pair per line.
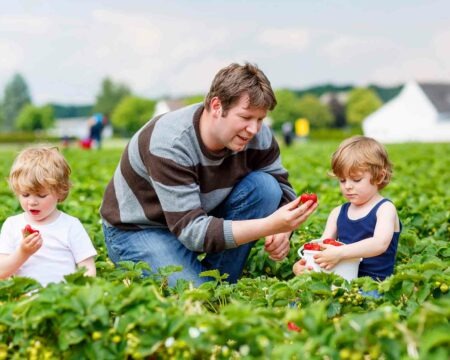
346, 106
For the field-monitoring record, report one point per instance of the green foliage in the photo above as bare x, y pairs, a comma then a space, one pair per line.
329, 134
1, 113
110, 95
122, 315
319, 115
16, 96
287, 108
384, 93
360, 104
21, 137
195, 99
33, 118
319, 90
131, 113
68, 111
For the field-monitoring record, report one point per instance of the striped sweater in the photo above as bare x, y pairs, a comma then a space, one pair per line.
167, 178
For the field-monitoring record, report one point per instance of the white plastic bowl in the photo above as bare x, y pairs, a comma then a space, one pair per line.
348, 269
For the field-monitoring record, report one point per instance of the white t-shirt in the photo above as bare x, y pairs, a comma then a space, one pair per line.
65, 243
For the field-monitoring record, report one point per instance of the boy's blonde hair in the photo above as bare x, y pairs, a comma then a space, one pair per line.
361, 153
40, 169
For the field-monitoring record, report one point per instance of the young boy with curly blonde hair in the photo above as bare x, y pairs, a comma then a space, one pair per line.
368, 223
39, 178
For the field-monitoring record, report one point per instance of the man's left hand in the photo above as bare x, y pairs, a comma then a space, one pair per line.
277, 246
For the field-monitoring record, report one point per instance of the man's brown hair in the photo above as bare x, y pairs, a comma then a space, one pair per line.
231, 82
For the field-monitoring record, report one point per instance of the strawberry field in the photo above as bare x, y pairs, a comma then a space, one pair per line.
269, 313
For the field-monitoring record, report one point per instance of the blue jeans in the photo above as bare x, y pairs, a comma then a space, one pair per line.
256, 196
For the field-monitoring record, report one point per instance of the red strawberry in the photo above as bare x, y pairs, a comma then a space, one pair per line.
312, 246
308, 196
29, 230
332, 242
293, 326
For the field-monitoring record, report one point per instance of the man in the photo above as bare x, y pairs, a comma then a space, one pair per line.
204, 178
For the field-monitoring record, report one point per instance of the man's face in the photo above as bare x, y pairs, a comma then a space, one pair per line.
238, 127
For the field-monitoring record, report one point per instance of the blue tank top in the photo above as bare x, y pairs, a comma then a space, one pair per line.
350, 231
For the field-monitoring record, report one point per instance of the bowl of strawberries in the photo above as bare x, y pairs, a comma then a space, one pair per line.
348, 268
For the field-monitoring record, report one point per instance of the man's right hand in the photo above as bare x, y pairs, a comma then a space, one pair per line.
290, 216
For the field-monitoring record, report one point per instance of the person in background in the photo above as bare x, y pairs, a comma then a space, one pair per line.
43, 242
287, 132
368, 223
96, 124
206, 178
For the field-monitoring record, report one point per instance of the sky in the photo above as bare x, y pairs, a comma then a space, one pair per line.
172, 48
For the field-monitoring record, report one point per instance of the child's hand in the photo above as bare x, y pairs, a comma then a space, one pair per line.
31, 243
330, 257
300, 267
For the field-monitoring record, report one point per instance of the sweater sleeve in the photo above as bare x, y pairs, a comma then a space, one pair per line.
174, 177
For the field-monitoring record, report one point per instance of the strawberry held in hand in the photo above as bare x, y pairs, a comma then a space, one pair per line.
308, 196
29, 230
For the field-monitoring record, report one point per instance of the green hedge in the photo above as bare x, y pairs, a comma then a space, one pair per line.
25, 137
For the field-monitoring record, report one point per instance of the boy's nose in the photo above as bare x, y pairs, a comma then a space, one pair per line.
32, 201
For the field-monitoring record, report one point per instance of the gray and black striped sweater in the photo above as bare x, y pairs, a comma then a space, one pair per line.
167, 178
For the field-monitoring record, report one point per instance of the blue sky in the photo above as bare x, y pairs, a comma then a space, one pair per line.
173, 47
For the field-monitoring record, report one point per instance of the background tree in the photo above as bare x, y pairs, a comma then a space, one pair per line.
33, 118
287, 108
194, 99
361, 103
318, 114
15, 98
1, 114
131, 113
109, 96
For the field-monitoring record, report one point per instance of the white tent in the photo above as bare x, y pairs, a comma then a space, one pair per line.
420, 112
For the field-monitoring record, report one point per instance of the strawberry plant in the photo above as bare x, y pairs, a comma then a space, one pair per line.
268, 313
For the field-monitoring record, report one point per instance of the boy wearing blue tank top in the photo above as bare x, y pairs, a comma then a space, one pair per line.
368, 223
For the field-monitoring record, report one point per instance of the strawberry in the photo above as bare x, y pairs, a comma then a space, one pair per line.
308, 196
332, 242
293, 326
29, 230
312, 246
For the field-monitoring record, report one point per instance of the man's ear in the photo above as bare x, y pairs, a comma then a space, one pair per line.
216, 106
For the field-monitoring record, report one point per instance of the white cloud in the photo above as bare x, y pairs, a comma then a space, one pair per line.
291, 39
420, 69
441, 48
25, 24
11, 56
196, 76
348, 49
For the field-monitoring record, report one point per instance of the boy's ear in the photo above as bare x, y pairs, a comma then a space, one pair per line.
381, 177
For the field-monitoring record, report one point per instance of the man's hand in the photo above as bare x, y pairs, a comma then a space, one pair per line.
277, 246
300, 267
288, 217
31, 243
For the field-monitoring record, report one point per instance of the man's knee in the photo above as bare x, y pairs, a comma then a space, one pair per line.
266, 187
